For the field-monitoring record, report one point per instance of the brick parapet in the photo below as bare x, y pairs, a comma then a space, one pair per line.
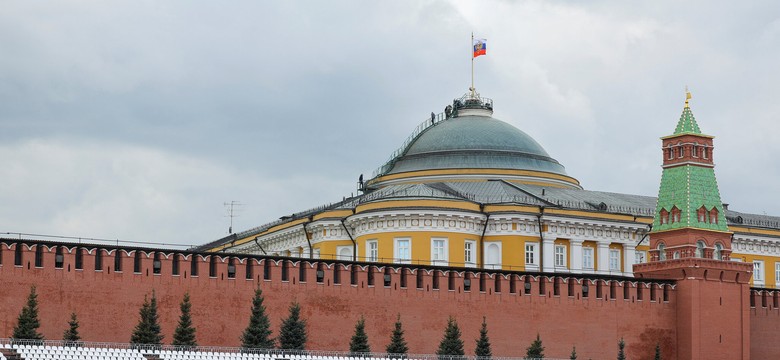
517, 305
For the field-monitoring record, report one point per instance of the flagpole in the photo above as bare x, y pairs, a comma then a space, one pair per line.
472, 65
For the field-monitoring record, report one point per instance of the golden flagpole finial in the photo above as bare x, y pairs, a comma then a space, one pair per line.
687, 96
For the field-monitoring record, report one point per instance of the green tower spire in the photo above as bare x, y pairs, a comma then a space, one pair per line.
689, 196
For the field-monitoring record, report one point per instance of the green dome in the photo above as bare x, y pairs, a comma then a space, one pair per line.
472, 141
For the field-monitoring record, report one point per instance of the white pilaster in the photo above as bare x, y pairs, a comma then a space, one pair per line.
575, 259
603, 258
548, 253
629, 257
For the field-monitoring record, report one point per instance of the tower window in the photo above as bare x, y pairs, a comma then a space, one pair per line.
675, 215
695, 150
700, 249
718, 253
663, 216
670, 153
661, 251
702, 214
714, 216
680, 151
704, 152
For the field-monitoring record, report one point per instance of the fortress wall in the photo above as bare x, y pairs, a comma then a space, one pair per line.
764, 324
517, 305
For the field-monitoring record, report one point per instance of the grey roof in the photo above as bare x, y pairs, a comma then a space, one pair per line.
503, 192
475, 142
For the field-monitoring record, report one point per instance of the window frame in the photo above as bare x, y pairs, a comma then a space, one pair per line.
533, 252
758, 269
397, 256
560, 256
372, 250
614, 259
439, 251
588, 262
470, 253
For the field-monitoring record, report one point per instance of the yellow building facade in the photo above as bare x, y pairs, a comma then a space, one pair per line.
468, 190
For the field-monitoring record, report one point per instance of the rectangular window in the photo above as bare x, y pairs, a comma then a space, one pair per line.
777, 274
469, 255
614, 260
587, 258
117, 261
372, 250
758, 272
640, 257
560, 256
39, 255
439, 251
530, 254
403, 251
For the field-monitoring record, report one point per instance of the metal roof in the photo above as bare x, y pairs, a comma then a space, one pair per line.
503, 192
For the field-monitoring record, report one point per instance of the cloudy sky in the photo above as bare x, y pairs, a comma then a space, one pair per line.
138, 120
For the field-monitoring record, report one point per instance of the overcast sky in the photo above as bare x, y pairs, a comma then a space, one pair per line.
137, 120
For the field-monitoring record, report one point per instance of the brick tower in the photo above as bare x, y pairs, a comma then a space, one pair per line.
690, 242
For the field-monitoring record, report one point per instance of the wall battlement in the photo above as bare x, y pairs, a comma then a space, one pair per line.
333, 294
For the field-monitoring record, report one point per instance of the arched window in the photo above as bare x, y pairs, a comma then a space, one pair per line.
695, 150
704, 152
493, 256
717, 254
661, 251
676, 255
700, 249
670, 151
679, 150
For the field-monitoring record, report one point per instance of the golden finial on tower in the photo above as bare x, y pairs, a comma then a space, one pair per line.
687, 96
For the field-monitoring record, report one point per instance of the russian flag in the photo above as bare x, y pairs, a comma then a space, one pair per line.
480, 47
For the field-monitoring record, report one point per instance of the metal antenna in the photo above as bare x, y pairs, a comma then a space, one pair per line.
232, 210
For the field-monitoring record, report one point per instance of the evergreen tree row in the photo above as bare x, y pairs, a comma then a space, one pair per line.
292, 333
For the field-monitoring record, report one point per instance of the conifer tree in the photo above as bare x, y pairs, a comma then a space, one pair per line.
397, 343
359, 341
451, 344
184, 335
573, 355
72, 333
27, 324
621, 350
148, 329
536, 350
483, 343
258, 333
292, 334
657, 352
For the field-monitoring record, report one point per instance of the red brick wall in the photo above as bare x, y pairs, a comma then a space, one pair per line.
107, 304
765, 324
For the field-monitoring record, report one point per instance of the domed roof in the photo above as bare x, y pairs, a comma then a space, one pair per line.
473, 141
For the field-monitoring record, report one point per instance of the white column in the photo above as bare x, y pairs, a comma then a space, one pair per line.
603, 257
575, 245
628, 259
548, 253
